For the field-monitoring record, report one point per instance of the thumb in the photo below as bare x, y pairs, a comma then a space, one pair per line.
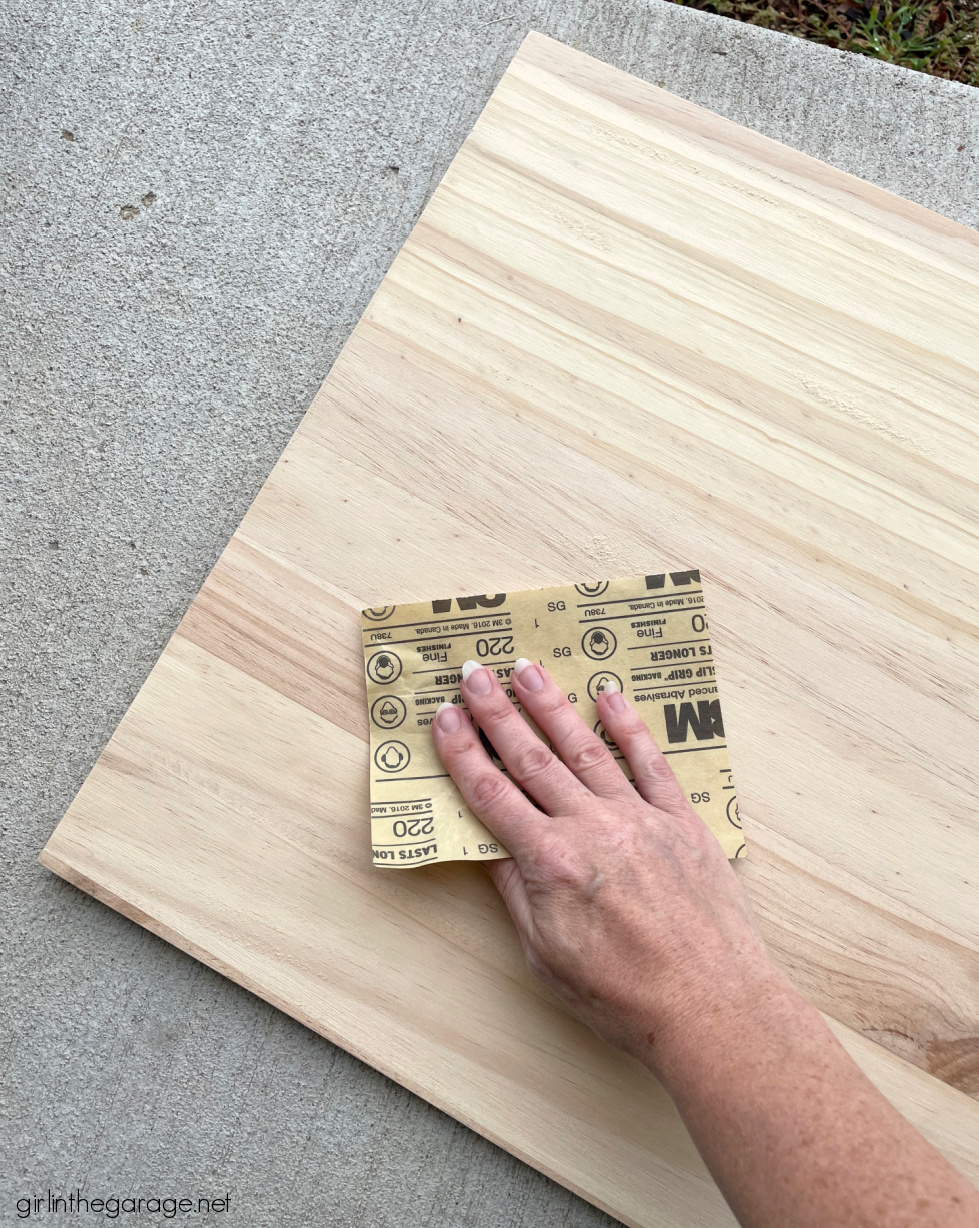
509, 882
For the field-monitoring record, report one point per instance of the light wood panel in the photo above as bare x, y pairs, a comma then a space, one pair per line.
625, 335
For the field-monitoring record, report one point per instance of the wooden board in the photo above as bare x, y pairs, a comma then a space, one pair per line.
625, 335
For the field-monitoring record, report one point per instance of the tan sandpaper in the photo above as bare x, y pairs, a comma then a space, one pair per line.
649, 633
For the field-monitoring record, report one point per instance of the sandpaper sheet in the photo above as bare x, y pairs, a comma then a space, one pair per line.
649, 633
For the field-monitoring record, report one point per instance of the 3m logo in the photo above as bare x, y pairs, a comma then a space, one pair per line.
678, 578
705, 720
488, 602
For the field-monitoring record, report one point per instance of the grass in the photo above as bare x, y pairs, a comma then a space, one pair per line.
940, 37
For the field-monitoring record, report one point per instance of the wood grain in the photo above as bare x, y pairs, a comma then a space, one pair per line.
624, 335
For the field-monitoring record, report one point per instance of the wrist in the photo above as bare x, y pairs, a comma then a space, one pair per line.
710, 1016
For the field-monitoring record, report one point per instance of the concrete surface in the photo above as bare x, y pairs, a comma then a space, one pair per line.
200, 200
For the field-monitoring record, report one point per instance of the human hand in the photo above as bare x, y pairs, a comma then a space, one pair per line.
623, 899
628, 908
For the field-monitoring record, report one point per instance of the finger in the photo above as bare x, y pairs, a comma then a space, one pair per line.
496, 801
654, 776
580, 748
531, 764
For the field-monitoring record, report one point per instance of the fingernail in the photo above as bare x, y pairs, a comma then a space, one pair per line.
477, 676
616, 700
528, 673
449, 718
610, 686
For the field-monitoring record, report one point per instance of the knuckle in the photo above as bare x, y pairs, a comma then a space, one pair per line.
585, 754
641, 751
565, 869
497, 710
656, 768
532, 761
554, 704
488, 789
650, 757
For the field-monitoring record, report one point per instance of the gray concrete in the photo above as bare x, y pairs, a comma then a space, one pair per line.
277, 152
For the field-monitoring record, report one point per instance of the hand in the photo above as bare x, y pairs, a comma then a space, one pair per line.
628, 908
624, 901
